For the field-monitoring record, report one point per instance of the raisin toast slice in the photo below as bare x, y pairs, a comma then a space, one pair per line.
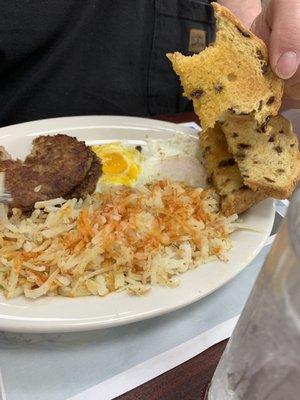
232, 74
224, 174
268, 162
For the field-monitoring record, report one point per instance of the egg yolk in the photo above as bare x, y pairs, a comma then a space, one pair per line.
114, 164
120, 165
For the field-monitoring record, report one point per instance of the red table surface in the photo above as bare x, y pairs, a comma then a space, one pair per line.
178, 118
189, 380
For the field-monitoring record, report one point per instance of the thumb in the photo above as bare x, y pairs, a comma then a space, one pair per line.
283, 19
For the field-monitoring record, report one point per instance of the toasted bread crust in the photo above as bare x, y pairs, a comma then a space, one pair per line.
225, 175
232, 74
241, 201
269, 162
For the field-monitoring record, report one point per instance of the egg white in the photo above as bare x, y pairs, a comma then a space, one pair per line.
174, 159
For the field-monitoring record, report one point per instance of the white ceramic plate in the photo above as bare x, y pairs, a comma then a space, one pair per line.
65, 314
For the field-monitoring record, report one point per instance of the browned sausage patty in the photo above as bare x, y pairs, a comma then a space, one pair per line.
61, 154
55, 167
88, 185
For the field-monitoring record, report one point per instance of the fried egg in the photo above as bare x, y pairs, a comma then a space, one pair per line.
121, 165
174, 159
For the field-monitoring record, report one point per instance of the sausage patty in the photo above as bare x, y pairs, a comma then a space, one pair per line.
89, 183
56, 166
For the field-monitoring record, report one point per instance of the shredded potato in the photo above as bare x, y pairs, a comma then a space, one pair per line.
124, 239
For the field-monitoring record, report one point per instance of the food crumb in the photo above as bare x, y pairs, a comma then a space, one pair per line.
37, 188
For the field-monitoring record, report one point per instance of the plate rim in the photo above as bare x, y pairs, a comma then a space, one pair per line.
53, 122
28, 325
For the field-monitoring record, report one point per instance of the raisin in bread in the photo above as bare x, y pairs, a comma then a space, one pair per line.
232, 74
268, 162
224, 174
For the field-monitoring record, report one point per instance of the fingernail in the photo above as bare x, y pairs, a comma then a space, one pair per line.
287, 65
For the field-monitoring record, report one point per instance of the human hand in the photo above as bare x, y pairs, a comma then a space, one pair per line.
279, 26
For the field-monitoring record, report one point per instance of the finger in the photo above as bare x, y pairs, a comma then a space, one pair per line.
292, 86
289, 104
283, 18
293, 91
247, 12
261, 28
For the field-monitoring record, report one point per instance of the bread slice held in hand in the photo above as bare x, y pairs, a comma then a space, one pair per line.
269, 162
224, 174
232, 74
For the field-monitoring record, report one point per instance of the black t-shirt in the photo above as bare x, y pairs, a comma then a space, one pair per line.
87, 57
